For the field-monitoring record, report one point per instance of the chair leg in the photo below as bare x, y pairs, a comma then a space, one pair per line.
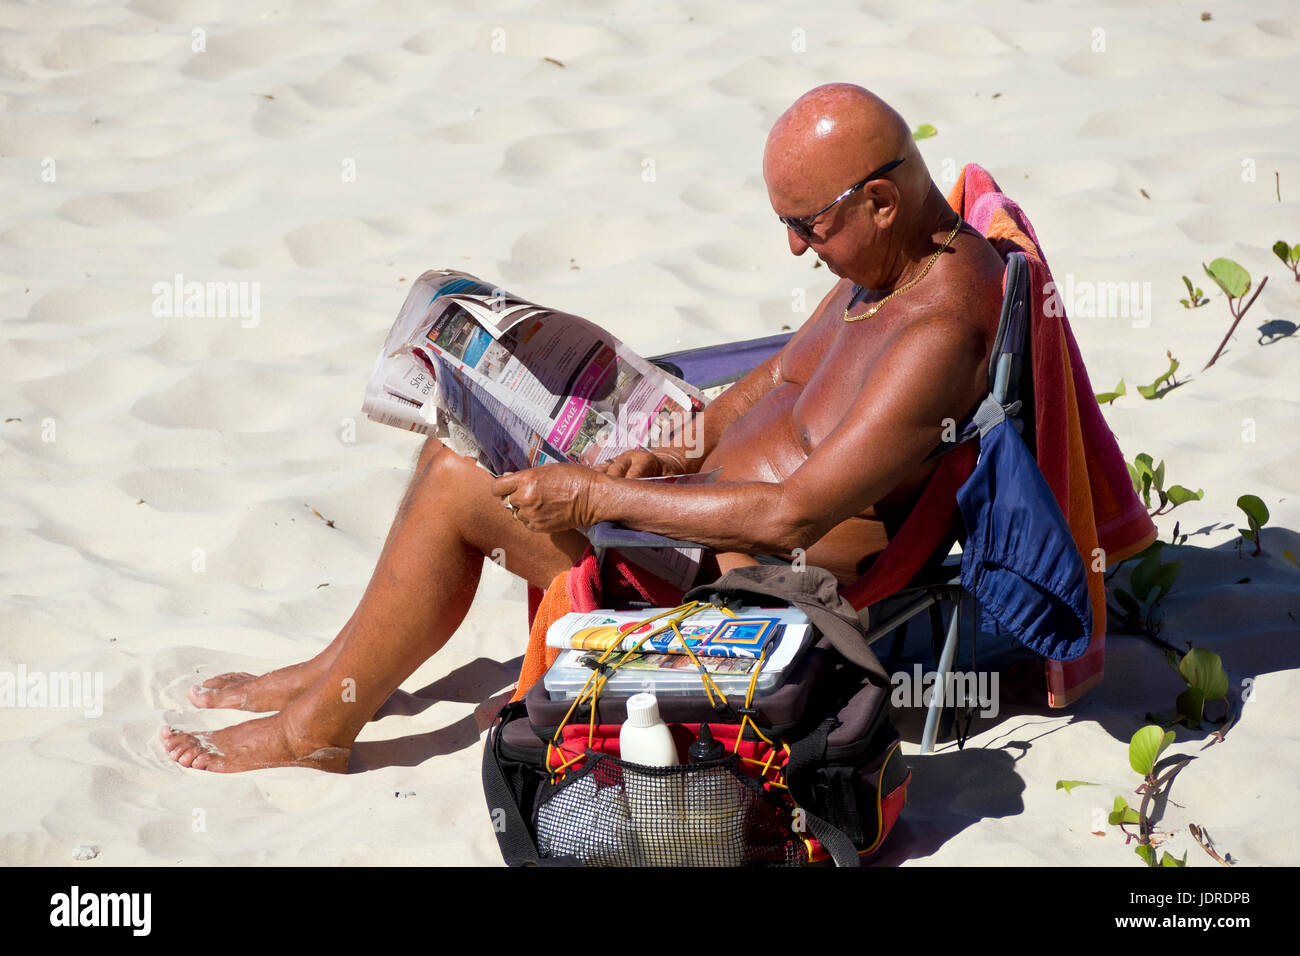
936, 629
900, 640
966, 716
930, 734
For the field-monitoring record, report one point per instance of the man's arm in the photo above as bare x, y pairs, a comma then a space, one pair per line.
684, 453
701, 435
933, 372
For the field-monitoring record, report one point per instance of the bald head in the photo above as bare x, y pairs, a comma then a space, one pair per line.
832, 138
829, 139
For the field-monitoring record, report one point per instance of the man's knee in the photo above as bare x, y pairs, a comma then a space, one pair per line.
431, 449
445, 469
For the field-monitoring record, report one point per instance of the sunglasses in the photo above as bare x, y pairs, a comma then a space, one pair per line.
802, 226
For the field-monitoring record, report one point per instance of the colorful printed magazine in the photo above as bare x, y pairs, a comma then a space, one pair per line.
745, 633
676, 674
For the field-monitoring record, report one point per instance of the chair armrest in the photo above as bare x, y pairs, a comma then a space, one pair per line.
607, 534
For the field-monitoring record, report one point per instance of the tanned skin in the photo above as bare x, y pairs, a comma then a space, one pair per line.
821, 447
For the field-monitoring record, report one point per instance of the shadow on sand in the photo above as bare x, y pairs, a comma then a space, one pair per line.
1245, 608
479, 682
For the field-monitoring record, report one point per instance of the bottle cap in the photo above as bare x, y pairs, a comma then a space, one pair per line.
643, 710
706, 747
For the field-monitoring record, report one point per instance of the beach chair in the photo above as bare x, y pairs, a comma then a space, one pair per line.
938, 582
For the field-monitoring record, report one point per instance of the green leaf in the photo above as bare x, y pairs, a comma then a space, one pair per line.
1148, 855
1254, 508
1140, 472
1068, 785
1128, 602
924, 131
1105, 398
1295, 253
1282, 251
1180, 495
1190, 705
1153, 390
1190, 291
1158, 478
1203, 671
1256, 518
1122, 813
1165, 576
1144, 576
1167, 860
1228, 276
1146, 747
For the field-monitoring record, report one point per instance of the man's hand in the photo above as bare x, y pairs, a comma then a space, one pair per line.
640, 463
550, 497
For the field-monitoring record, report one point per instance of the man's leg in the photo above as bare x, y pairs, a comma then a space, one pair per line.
419, 593
277, 689
240, 690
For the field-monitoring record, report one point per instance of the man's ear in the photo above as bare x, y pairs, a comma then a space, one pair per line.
884, 197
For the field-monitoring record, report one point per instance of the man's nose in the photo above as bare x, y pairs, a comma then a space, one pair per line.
798, 246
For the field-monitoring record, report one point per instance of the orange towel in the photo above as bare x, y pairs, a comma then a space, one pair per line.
1075, 449
582, 588
553, 605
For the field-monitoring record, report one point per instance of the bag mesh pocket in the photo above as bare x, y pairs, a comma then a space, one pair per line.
614, 813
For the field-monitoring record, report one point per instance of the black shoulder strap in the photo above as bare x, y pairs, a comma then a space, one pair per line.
805, 756
514, 836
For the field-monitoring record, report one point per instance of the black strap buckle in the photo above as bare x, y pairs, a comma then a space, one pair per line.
595, 664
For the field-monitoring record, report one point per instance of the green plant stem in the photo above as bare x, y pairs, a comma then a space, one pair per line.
1237, 316
1159, 641
1203, 840
1151, 791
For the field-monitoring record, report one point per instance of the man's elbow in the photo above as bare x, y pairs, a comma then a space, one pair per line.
793, 532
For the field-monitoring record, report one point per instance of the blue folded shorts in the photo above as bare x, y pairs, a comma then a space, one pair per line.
1020, 560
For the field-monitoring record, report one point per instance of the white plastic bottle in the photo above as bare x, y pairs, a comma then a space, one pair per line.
645, 738
655, 802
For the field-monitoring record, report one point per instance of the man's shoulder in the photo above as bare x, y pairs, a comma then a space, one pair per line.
973, 274
953, 325
966, 291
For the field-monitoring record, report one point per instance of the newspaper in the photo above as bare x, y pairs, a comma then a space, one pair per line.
514, 385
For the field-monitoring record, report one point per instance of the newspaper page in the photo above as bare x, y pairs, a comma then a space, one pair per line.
514, 385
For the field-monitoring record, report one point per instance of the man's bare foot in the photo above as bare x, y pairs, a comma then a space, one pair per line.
272, 691
252, 745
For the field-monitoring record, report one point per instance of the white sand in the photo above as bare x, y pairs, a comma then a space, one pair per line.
133, 440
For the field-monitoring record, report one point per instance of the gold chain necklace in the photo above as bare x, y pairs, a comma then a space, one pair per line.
876, 308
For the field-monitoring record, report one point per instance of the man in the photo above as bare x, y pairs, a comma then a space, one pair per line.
821, 447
